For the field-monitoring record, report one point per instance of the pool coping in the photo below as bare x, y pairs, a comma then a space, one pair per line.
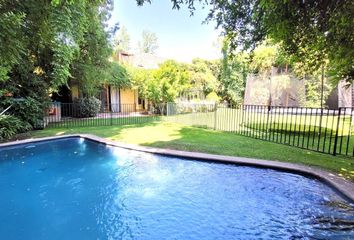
341, 185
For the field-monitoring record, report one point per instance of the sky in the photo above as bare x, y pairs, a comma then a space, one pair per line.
180, 36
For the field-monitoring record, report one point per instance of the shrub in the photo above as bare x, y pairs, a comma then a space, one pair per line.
213, 97
86, 107
10, 125
30, 110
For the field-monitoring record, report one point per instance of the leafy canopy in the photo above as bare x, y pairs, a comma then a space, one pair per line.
44, 44
311, 31
163, 84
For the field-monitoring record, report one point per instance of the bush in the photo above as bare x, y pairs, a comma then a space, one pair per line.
30, 110
86, 107
10, 125
213, 97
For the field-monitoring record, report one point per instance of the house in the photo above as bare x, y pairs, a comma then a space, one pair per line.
113, 98
127, 99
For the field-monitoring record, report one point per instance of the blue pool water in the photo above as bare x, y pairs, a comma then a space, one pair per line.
78, 189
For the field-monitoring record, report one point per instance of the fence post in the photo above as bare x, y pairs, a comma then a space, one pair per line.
337, 131
215, 115
111, 114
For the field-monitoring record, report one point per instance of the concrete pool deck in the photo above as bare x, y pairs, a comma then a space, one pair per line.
341, 185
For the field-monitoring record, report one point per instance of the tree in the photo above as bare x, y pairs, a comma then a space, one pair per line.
163, 84
44, 44
202, 77
118, 76
149, 42
234, 69
139, 78
168, 82
313, 31
122, 40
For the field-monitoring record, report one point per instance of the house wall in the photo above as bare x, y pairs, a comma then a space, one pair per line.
128, 100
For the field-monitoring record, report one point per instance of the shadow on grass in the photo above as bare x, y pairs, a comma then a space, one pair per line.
181, 137
214, 142
102, 131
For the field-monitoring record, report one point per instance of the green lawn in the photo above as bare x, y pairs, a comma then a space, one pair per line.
306, 131
182, 137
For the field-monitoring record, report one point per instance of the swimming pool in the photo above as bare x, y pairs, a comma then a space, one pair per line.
79, 189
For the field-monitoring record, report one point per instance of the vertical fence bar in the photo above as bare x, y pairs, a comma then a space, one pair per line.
282, 125
300, 128
215, 115
331, 136
304, 130
290, 124
337, 131
286, 132
251, 125
238, 119
295, 122
341, 137
273, 122
314, 129
349, 132
278, 124
320, 130
309, 130
258, 127
325, 134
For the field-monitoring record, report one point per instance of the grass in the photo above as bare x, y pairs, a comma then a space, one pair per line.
106, 120
182, 137
307, 131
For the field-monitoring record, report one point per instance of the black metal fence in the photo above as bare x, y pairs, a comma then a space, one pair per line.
68, 115
321, 130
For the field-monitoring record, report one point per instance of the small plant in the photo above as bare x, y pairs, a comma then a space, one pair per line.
10, 125
86, 107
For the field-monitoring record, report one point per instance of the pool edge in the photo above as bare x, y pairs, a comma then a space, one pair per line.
344, 187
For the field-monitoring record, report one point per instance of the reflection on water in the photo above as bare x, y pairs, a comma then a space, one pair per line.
77, 189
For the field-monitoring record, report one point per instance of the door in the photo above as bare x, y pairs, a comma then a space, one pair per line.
115, 99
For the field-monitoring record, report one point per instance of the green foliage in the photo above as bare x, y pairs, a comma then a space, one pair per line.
149, 42
92, 67
202, 77
118, 76
44, 44
310, 31
263, 58
11, 39
213, 96
51, 39
163, 84
168, 82
87, 107
314, 88
10, 126
233, 75
140, 79
30, 111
